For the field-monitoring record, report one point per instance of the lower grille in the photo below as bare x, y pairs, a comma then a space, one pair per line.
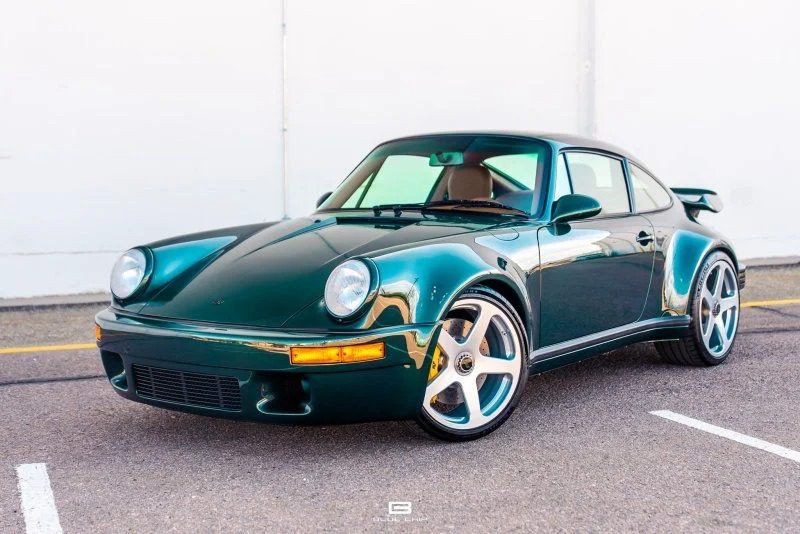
195, 389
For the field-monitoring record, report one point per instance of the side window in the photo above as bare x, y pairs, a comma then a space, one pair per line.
601, 178
649, 194
400, 180
561, 185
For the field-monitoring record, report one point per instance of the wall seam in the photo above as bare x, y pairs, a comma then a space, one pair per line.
284, 117
587, 52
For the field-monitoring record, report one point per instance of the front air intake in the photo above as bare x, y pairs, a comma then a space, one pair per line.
192, 389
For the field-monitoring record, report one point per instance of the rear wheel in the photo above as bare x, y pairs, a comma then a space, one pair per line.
479, 368
715, 316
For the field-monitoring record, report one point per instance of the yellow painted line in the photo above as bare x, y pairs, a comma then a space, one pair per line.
85, 346
48, 348
759, 303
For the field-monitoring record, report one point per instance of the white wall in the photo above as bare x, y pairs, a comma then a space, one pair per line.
360, 72
706, 94
121, 123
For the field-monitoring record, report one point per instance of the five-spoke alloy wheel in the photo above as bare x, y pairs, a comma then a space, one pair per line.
479, 368
715, 316
719, 308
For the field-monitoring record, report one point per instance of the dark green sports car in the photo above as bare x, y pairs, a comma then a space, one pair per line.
440, 273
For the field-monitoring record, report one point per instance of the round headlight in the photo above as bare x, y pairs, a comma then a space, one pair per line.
347, 288
128, 273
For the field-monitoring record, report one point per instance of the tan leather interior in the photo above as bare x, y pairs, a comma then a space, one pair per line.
469, 182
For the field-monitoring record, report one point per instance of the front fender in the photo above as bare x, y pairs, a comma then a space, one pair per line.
432, 286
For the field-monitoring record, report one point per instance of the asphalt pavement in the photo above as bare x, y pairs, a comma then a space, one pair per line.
581, 453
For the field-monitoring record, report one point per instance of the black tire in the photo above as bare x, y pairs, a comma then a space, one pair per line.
690, 349
439, 431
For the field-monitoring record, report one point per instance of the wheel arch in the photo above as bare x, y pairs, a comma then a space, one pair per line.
718, 247
727, 249
512, 295
684, 258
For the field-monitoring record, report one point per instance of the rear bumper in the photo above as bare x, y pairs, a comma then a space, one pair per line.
197, 367
742, 270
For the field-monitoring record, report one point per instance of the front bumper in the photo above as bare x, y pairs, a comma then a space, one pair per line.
198, 367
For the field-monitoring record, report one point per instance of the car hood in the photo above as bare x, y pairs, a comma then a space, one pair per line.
268, 277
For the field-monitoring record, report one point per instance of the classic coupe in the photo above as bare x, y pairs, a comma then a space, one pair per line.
439, 274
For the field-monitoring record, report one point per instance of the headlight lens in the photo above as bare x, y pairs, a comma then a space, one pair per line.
128, 273
347, 288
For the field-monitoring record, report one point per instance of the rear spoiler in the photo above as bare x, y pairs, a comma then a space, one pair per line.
695, 200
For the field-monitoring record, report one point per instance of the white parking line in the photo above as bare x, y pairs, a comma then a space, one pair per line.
38, 504
730, 434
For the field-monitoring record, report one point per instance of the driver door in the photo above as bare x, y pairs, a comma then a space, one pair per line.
595, 273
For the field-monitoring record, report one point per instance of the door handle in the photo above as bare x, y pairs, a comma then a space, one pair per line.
644, 238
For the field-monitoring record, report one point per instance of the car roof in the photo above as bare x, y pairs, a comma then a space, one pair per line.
559, 139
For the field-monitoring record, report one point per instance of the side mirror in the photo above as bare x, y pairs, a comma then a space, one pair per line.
323, 198
574, 207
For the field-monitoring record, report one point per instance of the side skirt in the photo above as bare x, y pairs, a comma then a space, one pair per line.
575, 350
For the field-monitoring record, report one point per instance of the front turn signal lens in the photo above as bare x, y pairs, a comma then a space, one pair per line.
316, 355
346, 354
98, 333
363, 353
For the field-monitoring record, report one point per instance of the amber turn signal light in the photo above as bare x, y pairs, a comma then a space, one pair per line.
98, 333
346, 354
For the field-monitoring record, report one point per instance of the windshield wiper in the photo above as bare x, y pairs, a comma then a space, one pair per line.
397, 208
475, 204
447, 204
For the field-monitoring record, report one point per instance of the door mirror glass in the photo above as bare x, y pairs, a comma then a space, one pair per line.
323, 198
574, 207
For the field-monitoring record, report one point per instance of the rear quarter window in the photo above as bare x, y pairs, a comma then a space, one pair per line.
647, 192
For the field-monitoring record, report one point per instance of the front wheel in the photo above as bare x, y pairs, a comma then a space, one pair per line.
715, 316
478, 370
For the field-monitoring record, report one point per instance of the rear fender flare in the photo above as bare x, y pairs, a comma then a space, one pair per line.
684, 258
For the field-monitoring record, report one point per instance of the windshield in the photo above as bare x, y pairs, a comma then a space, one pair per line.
473, 171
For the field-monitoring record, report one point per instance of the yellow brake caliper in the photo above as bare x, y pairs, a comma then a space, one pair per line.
437, 356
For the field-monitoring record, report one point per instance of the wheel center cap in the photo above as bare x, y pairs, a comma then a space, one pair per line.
716, 309
465, 363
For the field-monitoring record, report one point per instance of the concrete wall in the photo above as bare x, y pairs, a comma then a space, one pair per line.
706, 93
121, 123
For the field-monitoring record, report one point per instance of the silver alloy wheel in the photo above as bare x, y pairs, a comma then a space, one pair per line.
719, 308
480, 368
